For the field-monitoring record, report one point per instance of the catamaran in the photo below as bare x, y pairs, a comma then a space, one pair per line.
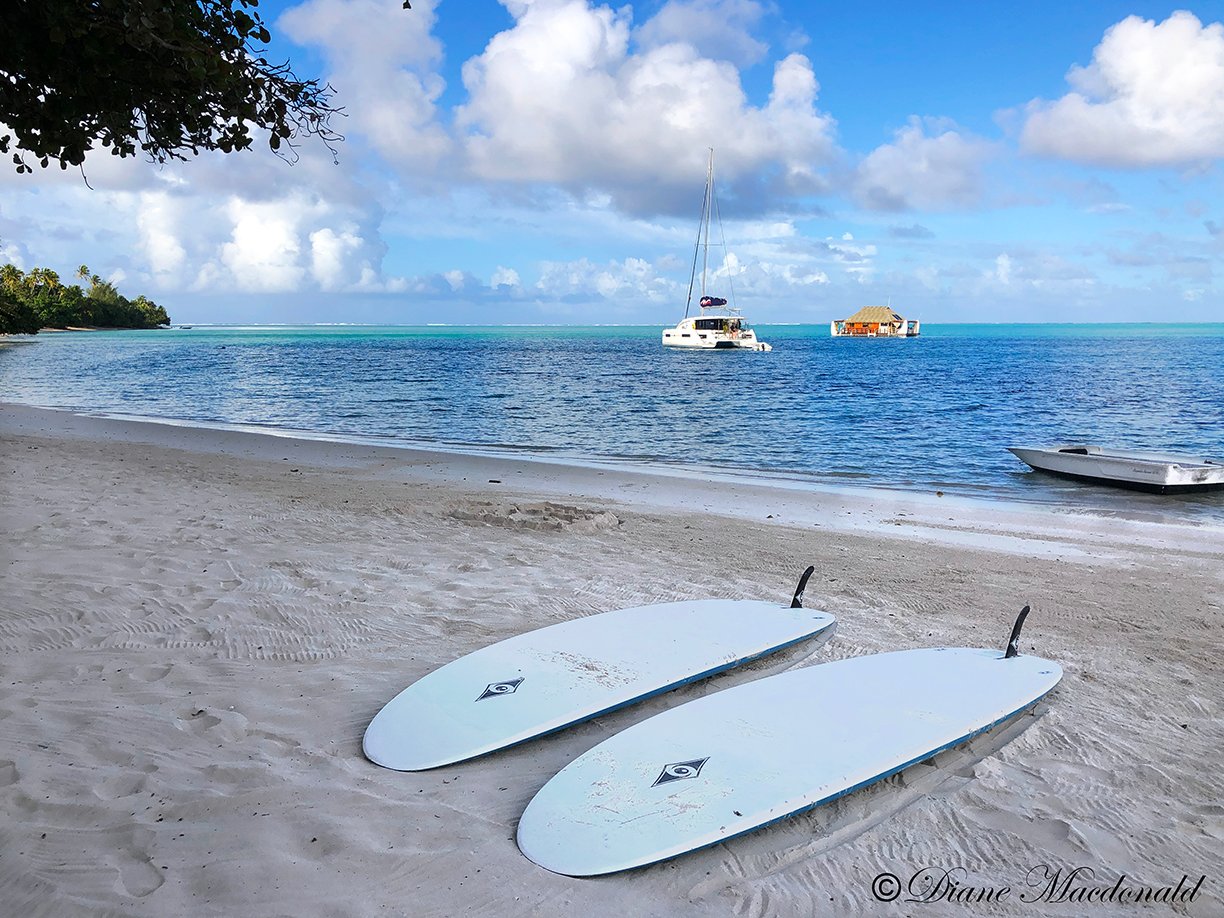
719, 325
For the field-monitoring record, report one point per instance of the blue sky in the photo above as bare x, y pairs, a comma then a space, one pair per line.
543, 161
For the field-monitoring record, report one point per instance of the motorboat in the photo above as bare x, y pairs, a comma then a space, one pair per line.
719, 325
1162, 473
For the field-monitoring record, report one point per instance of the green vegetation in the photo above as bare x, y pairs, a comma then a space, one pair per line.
36, 299
167, 78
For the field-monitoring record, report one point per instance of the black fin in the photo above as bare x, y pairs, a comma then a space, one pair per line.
1013, 642
797, 602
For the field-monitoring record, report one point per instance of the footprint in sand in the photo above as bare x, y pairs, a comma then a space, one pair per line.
543, 516
198, 721
152, 673
125, 784
140, 878
227, 726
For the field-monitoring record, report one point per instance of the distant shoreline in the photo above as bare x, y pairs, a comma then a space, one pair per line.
440, 326
100, 328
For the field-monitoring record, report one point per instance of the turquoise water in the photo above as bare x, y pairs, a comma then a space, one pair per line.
934, 412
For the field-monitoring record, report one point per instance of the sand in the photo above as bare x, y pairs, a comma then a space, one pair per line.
197, 625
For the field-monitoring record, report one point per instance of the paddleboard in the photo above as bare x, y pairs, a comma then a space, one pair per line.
535, 683
739, 759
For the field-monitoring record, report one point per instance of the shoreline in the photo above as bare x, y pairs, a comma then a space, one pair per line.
646, 483
197, 625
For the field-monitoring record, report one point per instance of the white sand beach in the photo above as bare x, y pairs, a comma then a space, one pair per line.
196, 626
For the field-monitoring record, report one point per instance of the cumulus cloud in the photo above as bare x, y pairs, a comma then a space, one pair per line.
241, 222
1002, 270
12, 253
918, 171
335, 258
158, 215
716, 28
504, 277
562, 97
1046, 271
856, 259
777, 278
264, 254
633, 279
1152, 96
383, 61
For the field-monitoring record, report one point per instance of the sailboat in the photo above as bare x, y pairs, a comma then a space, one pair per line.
718, 325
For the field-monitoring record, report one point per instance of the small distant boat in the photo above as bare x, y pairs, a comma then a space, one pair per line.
875, 322
719, 326
1162, 473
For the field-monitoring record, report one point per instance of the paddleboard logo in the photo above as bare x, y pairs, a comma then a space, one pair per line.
678, 771
500, 688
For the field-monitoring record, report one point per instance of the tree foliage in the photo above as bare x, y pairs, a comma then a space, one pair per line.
163, 77
34, 299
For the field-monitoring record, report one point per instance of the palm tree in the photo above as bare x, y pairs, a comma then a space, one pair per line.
42, 277
11, 278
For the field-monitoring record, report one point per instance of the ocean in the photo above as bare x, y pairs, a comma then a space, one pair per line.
928, 413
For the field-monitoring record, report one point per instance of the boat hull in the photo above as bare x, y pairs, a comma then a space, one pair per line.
1156, 473
673, 338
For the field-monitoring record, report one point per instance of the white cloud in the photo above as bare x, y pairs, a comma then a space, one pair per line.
633, 280
1003, 268
331, 257
856, 257
1152, 96
241, 222
504, 277
562, 98
297, 241
158, 216
771, 259
11, 253
777, 278
1047, 271
383, 62
716, 28
263, 255
921, 172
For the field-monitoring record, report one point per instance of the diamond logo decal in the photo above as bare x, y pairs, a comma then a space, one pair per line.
500, 688
678, 771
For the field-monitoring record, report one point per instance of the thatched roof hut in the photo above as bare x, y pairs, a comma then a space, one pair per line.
878, 314
875, 322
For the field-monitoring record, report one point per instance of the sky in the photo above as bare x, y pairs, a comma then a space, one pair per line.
543, 161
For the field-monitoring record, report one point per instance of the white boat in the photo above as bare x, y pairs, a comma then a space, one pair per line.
719, 326
1163, 473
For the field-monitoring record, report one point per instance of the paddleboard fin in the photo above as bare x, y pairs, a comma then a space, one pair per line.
1013, 648
797, 602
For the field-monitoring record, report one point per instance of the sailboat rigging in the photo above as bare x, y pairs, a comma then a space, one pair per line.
720, 325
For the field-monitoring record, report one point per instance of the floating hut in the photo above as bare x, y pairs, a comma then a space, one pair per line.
874, 322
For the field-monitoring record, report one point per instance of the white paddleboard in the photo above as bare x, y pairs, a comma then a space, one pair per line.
538, 682
736, 760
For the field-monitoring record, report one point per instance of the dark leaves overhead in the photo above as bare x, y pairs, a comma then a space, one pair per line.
164, 78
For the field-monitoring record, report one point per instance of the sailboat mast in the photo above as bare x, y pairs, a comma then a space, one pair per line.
705, 248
